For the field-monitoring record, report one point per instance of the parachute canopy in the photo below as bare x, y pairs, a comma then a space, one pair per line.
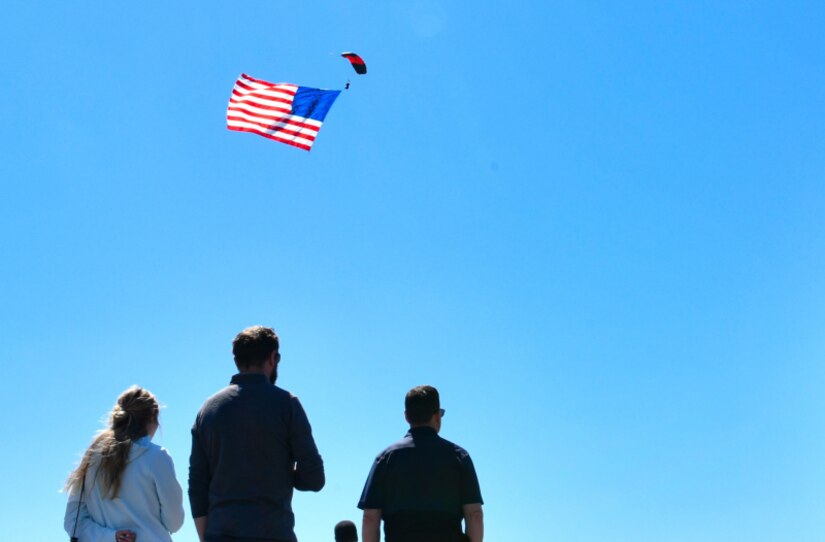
357, 62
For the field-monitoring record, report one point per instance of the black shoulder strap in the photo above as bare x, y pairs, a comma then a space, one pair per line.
79, 503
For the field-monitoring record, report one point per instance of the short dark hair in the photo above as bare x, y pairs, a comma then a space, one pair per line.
253, 345
421, 403
345, 531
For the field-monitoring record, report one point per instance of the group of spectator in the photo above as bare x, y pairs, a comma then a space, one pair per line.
252, 446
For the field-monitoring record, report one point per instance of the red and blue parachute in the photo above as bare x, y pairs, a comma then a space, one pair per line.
357, 62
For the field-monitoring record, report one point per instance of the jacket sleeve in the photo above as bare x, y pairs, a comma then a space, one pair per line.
87, 529
199, 477
470, 491
309, 468
170, 494
373, 495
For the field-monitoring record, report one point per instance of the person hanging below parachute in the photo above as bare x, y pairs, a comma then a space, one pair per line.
357, 62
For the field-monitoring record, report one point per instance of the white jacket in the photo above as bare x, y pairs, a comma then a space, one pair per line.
150, 501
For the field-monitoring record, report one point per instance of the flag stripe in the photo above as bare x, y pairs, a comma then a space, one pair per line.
298, 131
265, 94
262, 104
264, 84
249, 85
271, 114
283, 120
264, 97
272, 135
268, 109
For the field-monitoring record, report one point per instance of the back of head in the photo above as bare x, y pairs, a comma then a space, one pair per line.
420, 404
345, 531
135, 408
253, 345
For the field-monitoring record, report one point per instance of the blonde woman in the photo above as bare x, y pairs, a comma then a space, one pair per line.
128, 484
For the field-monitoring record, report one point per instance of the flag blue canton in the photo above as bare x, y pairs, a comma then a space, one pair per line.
313, 103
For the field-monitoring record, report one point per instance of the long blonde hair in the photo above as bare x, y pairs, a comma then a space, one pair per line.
128, 421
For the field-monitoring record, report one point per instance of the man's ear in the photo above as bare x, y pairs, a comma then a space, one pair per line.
407, 417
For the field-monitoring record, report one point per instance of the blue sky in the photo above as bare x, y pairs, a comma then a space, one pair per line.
596, 227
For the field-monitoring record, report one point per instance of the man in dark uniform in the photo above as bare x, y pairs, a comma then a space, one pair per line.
251, 446
423, 485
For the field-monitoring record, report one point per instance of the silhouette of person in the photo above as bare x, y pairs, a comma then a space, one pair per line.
345, 531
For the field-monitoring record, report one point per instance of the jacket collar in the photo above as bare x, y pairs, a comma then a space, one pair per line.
422, 431
249, 378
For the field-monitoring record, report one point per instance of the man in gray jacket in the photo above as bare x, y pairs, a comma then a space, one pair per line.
251, 446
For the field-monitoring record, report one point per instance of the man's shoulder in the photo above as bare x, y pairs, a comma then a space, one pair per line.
408, 441
280, 392
284, 398
228, 395
232, 401
220, 396
403, 443
232, 390
459, 451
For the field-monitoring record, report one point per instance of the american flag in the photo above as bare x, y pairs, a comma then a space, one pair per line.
284, 112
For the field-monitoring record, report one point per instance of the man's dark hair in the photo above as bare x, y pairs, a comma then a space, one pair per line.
421, 403
345, 531
253, 345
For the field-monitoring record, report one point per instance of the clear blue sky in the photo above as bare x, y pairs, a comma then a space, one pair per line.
596, 227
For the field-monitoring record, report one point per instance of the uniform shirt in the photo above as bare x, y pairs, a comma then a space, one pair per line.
251, 445
420, 484
149, 501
